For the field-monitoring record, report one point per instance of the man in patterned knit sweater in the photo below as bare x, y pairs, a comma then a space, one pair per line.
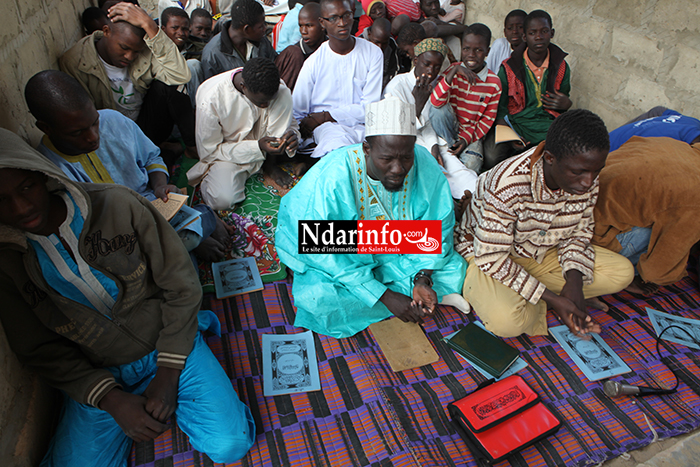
527, 231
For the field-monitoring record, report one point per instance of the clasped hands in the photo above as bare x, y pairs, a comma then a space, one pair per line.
411, 310
143, 417
570, 306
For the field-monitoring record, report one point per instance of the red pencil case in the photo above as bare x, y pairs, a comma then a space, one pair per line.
501, 418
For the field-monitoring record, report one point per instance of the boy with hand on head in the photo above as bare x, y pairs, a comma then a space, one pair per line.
244, 123
503, 47
465, 100
140, 78
290, 61
535, 81
241, 38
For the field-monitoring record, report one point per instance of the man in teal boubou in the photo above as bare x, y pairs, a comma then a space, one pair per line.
387, 177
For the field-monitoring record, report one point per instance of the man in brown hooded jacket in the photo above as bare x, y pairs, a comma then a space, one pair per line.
101, 300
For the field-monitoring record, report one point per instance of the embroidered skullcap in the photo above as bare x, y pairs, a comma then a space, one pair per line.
431, 44
390, 116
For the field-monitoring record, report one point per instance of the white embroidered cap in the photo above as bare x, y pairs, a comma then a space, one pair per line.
390, 116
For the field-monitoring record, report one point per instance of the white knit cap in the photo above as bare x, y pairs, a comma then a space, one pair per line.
390, 116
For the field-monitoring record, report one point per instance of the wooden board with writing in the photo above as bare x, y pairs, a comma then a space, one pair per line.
405, 345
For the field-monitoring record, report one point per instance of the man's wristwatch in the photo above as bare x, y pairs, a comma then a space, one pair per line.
420, 275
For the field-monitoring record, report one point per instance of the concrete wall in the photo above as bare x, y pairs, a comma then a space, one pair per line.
151, 7
34, 34
626, 55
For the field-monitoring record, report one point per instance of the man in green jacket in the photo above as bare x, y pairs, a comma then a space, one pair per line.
101, 300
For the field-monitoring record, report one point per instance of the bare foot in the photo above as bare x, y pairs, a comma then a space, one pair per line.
223, 232
210, 250
639, 287
301, 168
280, 177
304, 167
597, 303
302, 164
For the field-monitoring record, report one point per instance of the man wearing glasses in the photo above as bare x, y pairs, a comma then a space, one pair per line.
336, 83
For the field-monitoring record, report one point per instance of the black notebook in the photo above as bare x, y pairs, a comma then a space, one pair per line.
484, 349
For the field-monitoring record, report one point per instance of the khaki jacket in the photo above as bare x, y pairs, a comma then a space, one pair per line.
125, 238
160, 60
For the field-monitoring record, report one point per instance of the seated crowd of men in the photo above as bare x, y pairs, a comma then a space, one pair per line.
382, 123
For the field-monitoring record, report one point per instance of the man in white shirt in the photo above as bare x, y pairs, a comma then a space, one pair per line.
336, 83
244, 121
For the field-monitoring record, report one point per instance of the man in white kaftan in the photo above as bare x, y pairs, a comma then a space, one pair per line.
336, 83
241, 128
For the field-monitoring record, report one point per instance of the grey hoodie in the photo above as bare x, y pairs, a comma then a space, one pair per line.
125, 238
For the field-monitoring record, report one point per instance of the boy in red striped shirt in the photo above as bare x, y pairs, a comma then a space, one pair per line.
472, 92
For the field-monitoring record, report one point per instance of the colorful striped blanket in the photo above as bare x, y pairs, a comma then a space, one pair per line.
367, 415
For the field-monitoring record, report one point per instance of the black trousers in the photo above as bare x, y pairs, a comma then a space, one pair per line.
164, 107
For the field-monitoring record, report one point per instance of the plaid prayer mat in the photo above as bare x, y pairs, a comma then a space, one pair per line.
367, 415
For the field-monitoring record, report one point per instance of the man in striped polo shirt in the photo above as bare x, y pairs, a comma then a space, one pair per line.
526, 234
472, 92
